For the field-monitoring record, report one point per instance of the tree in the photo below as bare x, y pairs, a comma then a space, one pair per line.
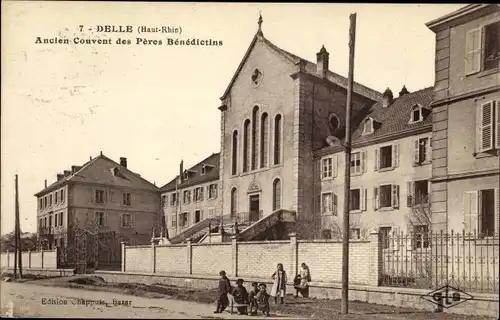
28, 241
420, 213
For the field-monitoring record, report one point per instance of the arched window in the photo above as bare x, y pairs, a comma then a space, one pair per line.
234, 196
264, 137
276, 194
277, 139
234, 159
255, 126
246, 144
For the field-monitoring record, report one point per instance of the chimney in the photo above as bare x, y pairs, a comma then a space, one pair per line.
387, 98
181, 170
45, 183
403, 91
60, 176
67, 173
322, 58
123, 162
90, 158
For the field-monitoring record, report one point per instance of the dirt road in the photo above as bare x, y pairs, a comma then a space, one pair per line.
30, 300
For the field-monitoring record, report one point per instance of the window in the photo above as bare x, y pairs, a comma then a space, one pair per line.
255, 127
481, 212
45, 202
203, 170
212, 191
387, 157
386, 196
416, 114
173, 199
99, 218
40, 225
187, 197
276, 194
55, 220
264, 139
421, 236
234, 195
355, 233
422, 151
329, 203
488, 124
186, 175
62, 195
198, 194
246, 143
355, 200
61, 219
482, 53
50, 200
56, 197
126, 199
358, 162
334, 123
368, 127
184, 220
418, 192
45, 222
127, 221
41, 203
50, 221
211, 212
234, 162
174, 221
99, 196
197, 216
163, 200
277, 139
385, 235
327, 168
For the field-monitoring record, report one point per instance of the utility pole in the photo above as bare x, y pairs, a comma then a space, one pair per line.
347, 183
17, 235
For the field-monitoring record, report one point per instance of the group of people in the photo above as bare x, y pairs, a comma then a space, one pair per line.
258, 298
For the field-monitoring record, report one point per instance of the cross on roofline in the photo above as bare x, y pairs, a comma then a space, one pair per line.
260, 21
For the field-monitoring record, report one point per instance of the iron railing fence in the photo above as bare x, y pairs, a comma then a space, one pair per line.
466, 261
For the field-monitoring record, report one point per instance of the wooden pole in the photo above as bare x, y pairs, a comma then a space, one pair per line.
18, 221
347, 183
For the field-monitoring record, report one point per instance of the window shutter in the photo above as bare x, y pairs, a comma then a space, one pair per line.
362, 199
395, 196
428, 156
486, 127
318, 204
497, 210
395, 155
497, 116
335, 204
335, 165
471, 211
376, 159
410, 195
132, 221
473, 51
376, 199
105, 219
415, 151
363, 161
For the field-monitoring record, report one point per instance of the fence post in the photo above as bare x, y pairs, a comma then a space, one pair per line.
293, 253
234, 250
8, 258
189, 255
123, 256
375, 267
41, 254
153, 257
29, 258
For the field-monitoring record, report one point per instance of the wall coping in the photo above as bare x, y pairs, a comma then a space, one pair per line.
43, 269
314, 284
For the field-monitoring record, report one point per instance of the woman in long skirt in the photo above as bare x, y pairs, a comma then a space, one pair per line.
279, 285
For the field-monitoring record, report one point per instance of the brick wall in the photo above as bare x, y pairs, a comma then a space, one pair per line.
259, 259
31, 259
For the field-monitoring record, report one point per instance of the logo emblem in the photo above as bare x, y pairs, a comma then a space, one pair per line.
447, 296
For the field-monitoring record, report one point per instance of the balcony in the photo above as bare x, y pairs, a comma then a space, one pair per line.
46, 231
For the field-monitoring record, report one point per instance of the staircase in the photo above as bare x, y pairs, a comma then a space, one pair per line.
279, 218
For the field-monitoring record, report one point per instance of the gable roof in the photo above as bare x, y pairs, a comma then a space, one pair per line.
98, 170
310, 68
197, 177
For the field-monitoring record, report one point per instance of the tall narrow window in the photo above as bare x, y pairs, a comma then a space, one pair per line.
263, 140
255, 127
234, 193
234, 165
276, 194
246, 144
277, 139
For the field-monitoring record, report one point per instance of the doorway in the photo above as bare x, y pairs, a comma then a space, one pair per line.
254, 207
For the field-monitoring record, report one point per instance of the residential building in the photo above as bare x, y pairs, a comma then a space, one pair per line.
390, 169
466, 120
192, 196
100, 195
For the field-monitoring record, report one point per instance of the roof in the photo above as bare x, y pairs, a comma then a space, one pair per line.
98, 170
392, 119
197, 178
457, 14
310, 68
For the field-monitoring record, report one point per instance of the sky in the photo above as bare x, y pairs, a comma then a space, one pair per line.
157, 105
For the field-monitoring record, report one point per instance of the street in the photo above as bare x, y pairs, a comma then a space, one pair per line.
31, 300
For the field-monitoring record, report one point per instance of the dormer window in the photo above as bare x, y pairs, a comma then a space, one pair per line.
186, 175
418, 113
368, 127
203, 169
114, 171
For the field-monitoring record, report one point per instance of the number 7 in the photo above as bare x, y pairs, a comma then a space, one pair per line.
81, 28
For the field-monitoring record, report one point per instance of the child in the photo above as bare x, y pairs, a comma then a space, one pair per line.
279, 286
222, 291
252, 298
263, 299
240, 295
